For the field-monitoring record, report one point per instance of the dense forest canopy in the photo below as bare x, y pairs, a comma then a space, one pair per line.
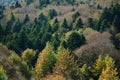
59, 40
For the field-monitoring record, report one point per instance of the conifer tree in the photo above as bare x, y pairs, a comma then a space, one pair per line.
55, 25
17, 26
12, 18
17, 5
110, 71
26, 19
75, 16
79, 24
45, 62
66, 65
99, 65
65, 24
1, 30
75, 40
52, 13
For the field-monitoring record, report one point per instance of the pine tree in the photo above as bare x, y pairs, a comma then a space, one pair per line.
75, 16
55, 41
116, 23
91, 23
110, 71
10, 22
52, 13
55, 25
17, 26
22, 40
99, 65
1, 30
65, 24
66, 65
75, 40
79, 24
26, 19
17, 5
12, 18
45, 62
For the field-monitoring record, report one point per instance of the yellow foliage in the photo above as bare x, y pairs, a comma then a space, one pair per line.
28, 54
109, 72
2, 69
54, 77
45, 62
66, 65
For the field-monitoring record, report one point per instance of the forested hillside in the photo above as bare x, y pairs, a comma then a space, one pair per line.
59, 40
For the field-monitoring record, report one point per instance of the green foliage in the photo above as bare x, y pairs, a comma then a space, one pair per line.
3, 76
24, 68
72, 2
85, 72
55, 41
10, 22
1, 30
64, 24
25, 38
79, 24
22, 65
29, 1
17, 26
28, 54
26, 19
15, 59
12, 18
52, 13
43, 3
91, 23
1, 11
75, 16
17, 5
22, 40
75, 40
45, 62
110, 16
55, 25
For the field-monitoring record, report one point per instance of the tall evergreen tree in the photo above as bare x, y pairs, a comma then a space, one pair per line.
22, 40
52, 13
66, 65
17, 5
55, 25
45, 62
75, 40
75, 16
17, 26
1, 30
64, 24
79, 24
26, 19
110, 71
10, 22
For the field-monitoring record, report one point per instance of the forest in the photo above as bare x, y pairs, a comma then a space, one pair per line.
60, 40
